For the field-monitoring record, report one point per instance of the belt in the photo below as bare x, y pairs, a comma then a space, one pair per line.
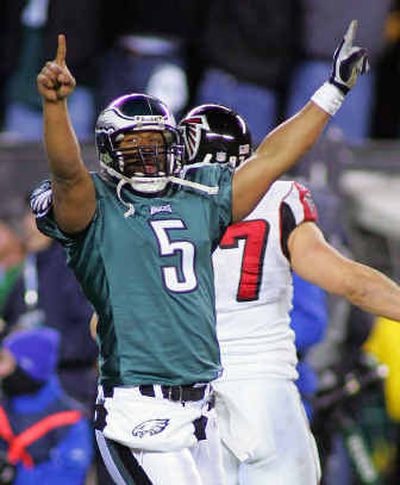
173, 393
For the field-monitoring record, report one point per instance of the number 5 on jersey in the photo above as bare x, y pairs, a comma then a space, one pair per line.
178, 281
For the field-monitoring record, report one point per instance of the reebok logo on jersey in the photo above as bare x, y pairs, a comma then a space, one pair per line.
150, 427
162, 208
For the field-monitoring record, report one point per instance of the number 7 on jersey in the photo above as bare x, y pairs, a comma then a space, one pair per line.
255, 233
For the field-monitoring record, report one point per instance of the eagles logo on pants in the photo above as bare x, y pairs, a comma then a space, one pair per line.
155, 441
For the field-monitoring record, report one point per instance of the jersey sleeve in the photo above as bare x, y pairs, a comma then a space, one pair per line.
296, 207
41, 202
302, 204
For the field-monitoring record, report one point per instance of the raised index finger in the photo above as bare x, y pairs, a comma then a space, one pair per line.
351, 32
61, 50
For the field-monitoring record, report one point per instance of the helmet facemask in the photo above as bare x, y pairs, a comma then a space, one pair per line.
146, 165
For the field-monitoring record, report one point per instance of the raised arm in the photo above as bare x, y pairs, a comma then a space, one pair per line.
316, 261
73, 188
284, 146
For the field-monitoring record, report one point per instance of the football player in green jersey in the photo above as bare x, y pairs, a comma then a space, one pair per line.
139, 236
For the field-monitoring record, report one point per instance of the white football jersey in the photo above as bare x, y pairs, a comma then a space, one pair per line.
253, 285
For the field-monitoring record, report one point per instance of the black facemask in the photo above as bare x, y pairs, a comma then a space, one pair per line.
19, 383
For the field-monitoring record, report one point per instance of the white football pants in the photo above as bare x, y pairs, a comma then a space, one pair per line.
265, 433
152, 441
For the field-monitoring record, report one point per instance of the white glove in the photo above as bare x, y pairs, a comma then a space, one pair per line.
348, 61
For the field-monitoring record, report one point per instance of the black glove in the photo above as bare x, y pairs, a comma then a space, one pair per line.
348, 61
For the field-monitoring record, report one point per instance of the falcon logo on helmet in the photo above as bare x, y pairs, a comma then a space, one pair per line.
213, 133
191, 129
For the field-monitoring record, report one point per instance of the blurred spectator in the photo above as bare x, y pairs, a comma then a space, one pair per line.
150, 49
249, 49
384, 344
322, 29
11, 259
43, 433
386, 115
39, 23
309, 320
47, 293
10, 40
330, 424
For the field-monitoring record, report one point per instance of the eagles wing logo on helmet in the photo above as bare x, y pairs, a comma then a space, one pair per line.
191, 134
150, 427
41, 199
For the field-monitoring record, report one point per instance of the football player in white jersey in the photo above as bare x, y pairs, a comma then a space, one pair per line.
265, 433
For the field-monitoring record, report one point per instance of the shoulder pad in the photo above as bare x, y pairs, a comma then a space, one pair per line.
41, 199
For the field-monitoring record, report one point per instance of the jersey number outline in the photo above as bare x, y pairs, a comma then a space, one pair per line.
184, 281
255, 233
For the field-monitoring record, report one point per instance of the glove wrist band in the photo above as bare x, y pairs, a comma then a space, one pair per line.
328, 97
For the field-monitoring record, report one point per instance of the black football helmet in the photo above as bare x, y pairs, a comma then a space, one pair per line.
135, 113
212, 133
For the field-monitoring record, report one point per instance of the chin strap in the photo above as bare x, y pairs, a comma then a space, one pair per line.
172, 179
194, 185
131, 207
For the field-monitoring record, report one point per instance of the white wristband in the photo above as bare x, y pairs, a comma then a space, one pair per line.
328, 97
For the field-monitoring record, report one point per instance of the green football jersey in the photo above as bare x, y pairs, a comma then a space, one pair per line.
149, 277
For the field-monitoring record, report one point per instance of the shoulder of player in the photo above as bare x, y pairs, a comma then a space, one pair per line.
104, 186
200, 171
278, 191
288, 192
300, 198
101, 180
292, 188
272, 200
41, 199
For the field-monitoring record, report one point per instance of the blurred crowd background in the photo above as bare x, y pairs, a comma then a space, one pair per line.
261, 57
265, 59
